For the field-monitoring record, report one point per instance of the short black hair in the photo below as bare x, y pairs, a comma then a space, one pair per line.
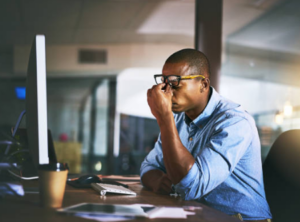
194, 58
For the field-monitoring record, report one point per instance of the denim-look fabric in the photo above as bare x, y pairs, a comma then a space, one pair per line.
227, 173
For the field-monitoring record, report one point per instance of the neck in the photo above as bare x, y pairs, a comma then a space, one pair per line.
194, 113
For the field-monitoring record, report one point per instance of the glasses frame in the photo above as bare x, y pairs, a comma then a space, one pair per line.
179, 78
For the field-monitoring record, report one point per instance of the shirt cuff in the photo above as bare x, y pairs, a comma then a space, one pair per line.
184, 187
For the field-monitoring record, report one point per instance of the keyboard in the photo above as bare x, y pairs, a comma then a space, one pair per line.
110, 188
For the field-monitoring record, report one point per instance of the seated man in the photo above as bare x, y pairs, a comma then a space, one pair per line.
209, 149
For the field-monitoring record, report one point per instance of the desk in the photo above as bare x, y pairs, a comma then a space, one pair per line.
27, 209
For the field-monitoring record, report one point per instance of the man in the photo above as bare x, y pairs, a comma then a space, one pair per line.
209, 149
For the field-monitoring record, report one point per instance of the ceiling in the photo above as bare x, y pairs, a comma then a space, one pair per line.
93, 21
115, 21
254, 27
268, 48
277, 30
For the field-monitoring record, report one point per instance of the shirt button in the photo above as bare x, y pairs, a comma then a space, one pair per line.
191, 138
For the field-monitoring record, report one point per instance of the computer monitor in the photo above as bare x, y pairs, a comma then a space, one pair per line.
36, 102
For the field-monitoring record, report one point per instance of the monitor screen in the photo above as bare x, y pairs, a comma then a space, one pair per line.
36, 102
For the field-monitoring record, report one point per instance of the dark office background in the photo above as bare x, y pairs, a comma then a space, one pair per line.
91, 43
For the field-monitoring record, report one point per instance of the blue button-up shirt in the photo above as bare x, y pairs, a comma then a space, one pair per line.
227, 173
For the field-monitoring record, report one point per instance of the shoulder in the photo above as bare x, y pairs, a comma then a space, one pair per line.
229, 113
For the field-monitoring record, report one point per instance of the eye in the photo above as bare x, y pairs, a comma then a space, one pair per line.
173, 81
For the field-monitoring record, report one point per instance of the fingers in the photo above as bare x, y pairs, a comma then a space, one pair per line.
163, 185
162, 85
166, 184
166, 189
158, 87
148, 92
169, 90
163, 189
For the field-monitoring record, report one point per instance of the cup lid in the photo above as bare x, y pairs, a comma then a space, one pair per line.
54, 167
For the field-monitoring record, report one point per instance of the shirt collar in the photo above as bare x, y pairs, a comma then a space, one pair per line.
203, 118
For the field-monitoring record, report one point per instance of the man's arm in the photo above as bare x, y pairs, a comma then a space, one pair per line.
218, 158
153, 171
177, 159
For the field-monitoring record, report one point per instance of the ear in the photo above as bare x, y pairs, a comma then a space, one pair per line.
204, 86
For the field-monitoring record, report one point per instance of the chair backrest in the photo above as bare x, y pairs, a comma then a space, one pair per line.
282, 177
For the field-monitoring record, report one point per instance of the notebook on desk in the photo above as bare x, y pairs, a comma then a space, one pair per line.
110, 188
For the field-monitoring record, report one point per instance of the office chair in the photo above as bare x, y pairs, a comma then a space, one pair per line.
282, 177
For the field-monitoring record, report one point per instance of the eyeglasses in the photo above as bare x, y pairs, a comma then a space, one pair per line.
174, 80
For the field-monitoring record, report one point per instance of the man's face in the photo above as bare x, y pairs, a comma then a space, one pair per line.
186, 96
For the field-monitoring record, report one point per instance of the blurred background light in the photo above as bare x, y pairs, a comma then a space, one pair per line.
279, 118
98, 166
288, 109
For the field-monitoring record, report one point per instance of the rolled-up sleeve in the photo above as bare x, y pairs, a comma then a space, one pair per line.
154, 160
217, 159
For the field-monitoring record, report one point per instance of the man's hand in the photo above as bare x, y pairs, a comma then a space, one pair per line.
157, 181
160, 101
163, 185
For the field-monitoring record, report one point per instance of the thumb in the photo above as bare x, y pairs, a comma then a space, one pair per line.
169, 90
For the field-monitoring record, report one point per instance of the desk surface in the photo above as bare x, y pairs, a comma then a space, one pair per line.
27, 208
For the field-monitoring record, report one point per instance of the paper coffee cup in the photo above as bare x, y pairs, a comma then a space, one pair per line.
52, 184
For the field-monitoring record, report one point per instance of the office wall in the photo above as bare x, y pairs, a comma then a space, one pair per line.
62, 60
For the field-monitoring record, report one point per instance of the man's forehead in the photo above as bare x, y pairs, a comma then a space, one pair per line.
180, 68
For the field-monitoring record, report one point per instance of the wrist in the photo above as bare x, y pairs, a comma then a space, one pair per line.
166, 119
